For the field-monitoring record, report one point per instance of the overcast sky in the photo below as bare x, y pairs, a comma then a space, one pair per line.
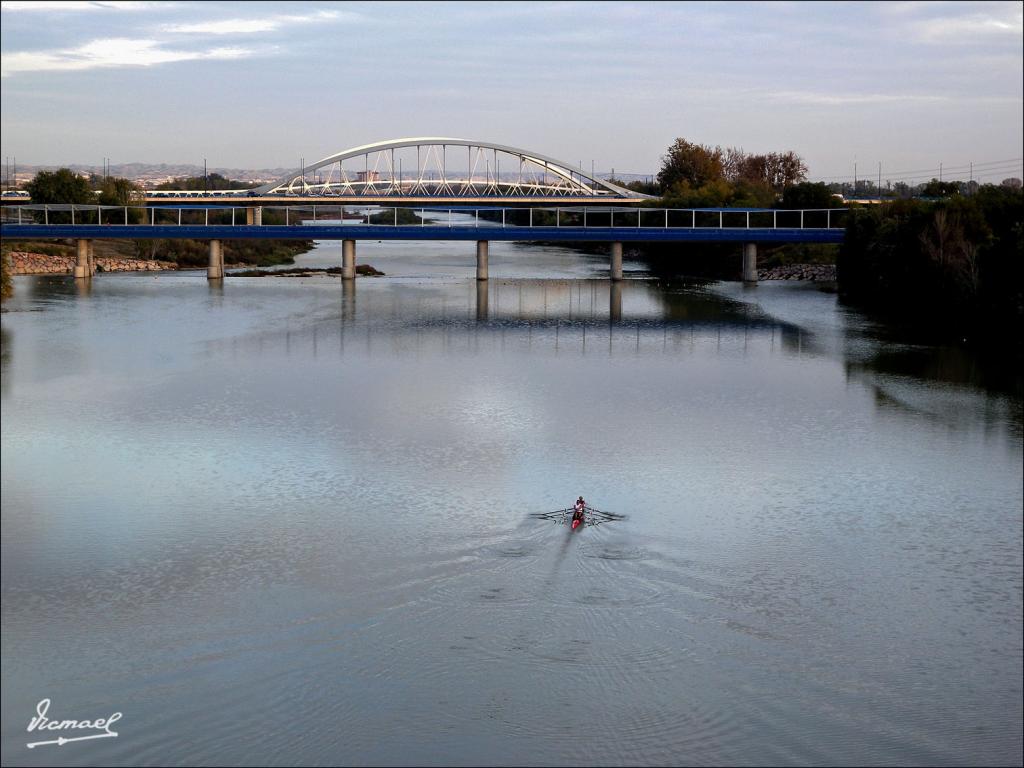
257, 85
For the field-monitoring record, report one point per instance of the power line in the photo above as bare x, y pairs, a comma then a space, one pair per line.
1013, 162
984, 169
962, 174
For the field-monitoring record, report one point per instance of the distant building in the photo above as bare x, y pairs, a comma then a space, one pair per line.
367, 176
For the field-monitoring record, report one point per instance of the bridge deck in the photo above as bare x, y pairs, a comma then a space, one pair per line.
418, 232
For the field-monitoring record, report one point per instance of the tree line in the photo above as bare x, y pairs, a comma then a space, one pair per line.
955, 265
64, 186
948, 256
696, 175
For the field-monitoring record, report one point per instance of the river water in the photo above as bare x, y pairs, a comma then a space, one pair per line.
285, 522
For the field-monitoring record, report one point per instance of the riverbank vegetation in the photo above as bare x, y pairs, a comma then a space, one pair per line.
952, 266
189, 254
212, 181
64, 186
701, 176
6, 284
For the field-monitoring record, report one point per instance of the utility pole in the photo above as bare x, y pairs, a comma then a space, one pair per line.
879, 182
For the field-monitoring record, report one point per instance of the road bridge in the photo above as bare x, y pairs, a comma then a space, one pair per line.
746, 226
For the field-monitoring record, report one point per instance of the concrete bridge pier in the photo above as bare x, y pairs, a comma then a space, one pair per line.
254, 216
616, 266
481, 259
750, 262
215, 271
85, 263
348, 259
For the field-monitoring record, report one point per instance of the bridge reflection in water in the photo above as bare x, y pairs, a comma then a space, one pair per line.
572, 316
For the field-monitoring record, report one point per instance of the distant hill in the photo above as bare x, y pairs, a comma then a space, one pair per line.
155, 173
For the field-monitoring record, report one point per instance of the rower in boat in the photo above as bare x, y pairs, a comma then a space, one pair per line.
578, 512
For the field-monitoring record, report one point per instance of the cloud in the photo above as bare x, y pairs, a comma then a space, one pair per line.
112, 52
958, 29
73, 5
226, 27
971, 27
815, 98
819, 99
250, 26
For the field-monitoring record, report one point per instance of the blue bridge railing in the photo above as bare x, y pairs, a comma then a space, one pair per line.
451, 217
334, 222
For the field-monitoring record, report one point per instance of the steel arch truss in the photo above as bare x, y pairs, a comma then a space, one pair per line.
435, 167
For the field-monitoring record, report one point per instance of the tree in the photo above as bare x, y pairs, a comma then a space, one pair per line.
902, 190
713, 194
951, 264
694, 164
936, 188
778, 170
735, 165
808, 195
61, 186
752, 194
211, 182
783, 169
117, 191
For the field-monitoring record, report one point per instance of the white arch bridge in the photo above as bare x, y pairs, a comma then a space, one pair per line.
431, 168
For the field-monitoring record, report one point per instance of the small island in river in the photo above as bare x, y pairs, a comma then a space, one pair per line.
361, 269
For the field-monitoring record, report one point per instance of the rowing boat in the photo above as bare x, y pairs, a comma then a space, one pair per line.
591, 516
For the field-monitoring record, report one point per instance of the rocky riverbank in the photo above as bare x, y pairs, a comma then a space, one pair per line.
26, 263
821, 273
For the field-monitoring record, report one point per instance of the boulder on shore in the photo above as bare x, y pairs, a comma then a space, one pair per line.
821, 273
28, 263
